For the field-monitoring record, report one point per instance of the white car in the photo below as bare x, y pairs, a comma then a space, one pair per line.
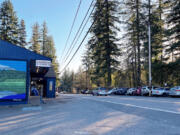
145, 91
175, 91
160, 92
130, 91
112, 91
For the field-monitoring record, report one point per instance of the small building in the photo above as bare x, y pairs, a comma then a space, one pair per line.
22, 69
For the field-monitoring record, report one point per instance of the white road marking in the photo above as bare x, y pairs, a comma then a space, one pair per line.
150, 100
37, 108
131, 105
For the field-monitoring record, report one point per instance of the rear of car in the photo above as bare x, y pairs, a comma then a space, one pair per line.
160, 92
95, 92
137, 92
175, 91
145, 91
102, 92
83, 91
130, 91
112, 91
121, 91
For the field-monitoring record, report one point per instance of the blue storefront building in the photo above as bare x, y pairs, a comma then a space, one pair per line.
22, 69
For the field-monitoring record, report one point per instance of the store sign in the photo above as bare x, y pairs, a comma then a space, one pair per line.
43, 63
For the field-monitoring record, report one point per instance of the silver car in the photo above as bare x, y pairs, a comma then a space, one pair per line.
160, 92
175, 91
130, 91
100, 92
145, 91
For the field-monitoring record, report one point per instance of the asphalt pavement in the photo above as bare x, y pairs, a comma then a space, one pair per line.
94, 115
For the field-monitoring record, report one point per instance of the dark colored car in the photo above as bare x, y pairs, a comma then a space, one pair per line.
121, 91
83, 91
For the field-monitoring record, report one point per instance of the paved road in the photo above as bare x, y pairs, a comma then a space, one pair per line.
88, 115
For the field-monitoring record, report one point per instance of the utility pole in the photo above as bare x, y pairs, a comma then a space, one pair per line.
149, 33
138, 45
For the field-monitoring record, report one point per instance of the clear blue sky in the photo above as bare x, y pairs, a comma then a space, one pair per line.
18, 65
59, 15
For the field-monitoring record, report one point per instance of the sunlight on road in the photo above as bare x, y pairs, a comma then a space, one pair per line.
115, 120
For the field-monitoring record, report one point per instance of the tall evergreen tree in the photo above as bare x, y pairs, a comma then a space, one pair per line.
22, 34
174, 22
44, 33
50, 51
35, 39
86, 61
103, 43
8, 23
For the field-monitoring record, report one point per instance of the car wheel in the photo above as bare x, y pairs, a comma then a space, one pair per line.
164, 94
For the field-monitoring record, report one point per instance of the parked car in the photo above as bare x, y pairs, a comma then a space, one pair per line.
112, 91
130, 91
121, 91
145, 91
137, 92
175, 91
83, 91
160, 92
88, 92
100, 92
95, 92
63, 92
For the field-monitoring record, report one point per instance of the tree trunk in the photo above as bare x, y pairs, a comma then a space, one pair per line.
108, 47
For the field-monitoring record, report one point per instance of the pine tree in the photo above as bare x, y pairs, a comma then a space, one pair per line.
174, 41
22, 34
44, 32
8, 23
174, 22
103, 43
136, 36
35, 40
86, 61
50, 51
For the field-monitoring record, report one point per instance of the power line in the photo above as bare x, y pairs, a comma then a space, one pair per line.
78, 36
71, 28
80, 44
77, 33
77, 48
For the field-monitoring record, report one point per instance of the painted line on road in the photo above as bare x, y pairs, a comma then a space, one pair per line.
131, 105
150, 100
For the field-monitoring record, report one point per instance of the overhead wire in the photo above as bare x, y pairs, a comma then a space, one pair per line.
72, 26
80, 44
68, 55
78, 33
